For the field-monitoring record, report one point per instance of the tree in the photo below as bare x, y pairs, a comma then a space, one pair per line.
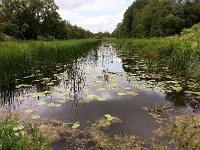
156, 18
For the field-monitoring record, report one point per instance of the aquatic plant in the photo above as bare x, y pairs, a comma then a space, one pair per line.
20, 59
14, 136
180, 56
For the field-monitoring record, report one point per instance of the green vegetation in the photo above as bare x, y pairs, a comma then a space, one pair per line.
155, 18
14, 136
179, 54
17, 59
35, 19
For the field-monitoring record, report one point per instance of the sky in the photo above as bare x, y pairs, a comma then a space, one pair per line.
93, 15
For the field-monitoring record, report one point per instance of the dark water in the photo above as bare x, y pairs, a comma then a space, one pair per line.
88, 88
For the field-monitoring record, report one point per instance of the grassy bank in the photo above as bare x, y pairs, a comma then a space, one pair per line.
18, 58
180, 54
15, 136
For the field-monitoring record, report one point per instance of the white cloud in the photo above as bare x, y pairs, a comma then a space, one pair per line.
94, 15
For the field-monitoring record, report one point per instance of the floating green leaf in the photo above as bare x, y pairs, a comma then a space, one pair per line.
109, 117
35, 95
132, 93
50, 84
51, 104
23, 86
90, 96
28, 111
76, 125
35, 117
61, 101
18, 128
121, 94
107, 123
57, 105
101, 99
47, 92
41, 103
100, 89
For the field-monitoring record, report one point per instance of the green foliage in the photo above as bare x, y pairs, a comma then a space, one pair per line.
36, 19
155, 18
18, 58
14, 138
179, 55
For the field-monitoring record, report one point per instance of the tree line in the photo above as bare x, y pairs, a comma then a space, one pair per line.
158, 18
36, 19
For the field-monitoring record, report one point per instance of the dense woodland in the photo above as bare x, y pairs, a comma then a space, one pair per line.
158, 18
35, 19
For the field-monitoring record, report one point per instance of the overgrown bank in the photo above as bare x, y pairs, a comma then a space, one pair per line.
181, 55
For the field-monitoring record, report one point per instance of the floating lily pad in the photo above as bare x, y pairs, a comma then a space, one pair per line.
28, 111
99, 81
109, 117
35, 117
101, 99
23, 86
132, 93
100, 89
127, 88
121, 94
107, 123
61, 101
76, 125
90, 96
50, 84
47, 92
35, 95
51, 105
18, 128
41, 103
58, 105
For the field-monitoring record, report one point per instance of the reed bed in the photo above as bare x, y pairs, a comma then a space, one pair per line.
16, 58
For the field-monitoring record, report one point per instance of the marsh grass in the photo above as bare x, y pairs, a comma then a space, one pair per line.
18, 58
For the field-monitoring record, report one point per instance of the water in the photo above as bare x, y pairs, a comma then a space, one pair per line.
90, 87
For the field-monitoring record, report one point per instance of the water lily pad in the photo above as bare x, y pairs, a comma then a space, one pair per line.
101, 99
41, 103
132, 93
85, 91
121, 94
35, 117
23, 86
76, 125
35, 95
107, 123
18, 128
109, 117
47, 92
127, 88
50, 84
51, 105
100, 89
61, 101
99, 81
57, 105
28, 111
90, 96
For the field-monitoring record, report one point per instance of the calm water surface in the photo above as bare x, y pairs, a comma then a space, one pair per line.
90, 87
